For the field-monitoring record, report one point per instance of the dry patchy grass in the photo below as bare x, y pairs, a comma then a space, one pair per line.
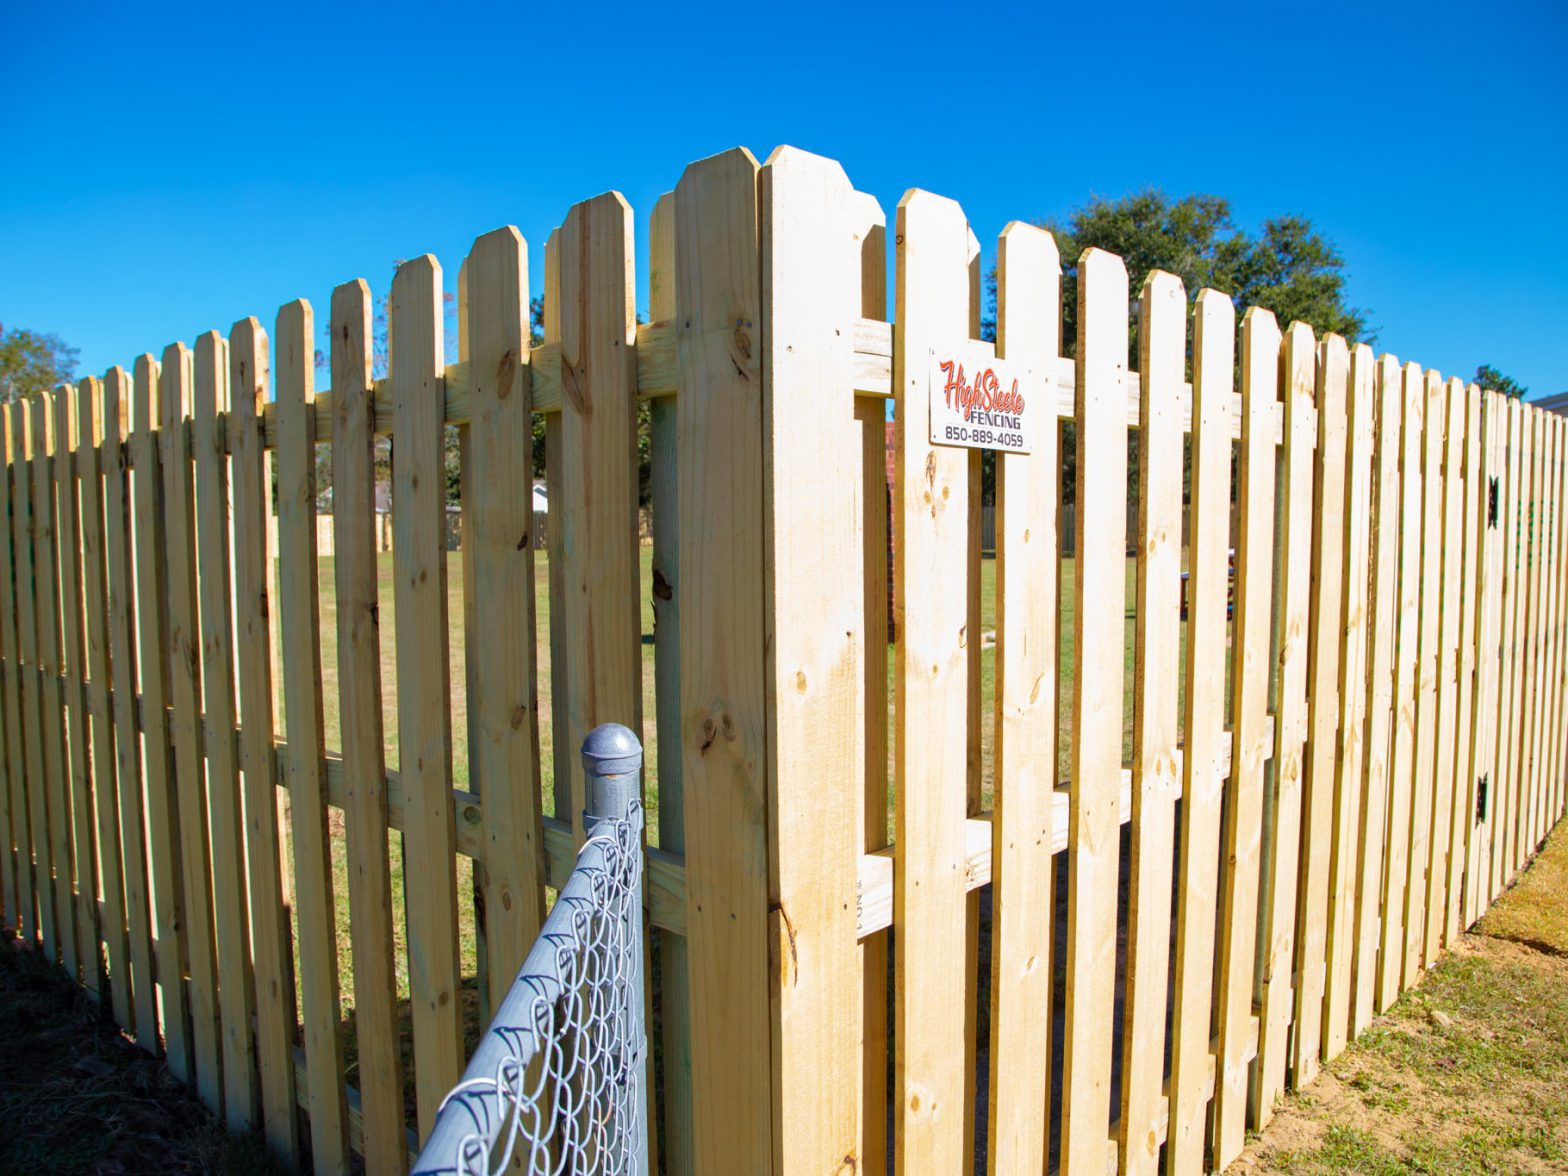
1465, 1073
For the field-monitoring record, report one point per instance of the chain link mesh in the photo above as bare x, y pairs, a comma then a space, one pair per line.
554, 1083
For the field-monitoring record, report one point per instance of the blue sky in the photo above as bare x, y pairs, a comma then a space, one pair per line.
168, 172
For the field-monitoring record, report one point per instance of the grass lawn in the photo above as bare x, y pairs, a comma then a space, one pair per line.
1467, 1072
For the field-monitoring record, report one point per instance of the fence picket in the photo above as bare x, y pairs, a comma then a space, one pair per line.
722, 663
931, 528
127, 754
31, 678
597, 511
315, 910
96, 669
1162, 337
1453, 550
21, 896
1023, 874
1478, 660
1251, 742
163, 810
1380, 721
1401, 787
1093, 831
82, 882
1282, 794
1508, 518
1204, 754
815, 692
364, 765
1348, 815
1541, 629
184, 667
1427, 666
423, 675
61, 944
231, 905
1320, 836
271, 943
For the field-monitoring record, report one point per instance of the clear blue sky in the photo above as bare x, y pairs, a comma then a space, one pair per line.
168, 173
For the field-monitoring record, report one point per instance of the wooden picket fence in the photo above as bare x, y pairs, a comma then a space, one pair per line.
1323, 790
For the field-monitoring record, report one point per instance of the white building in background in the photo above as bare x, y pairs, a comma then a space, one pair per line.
1557, 404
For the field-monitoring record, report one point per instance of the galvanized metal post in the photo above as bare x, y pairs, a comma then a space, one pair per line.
612, 763
587, 963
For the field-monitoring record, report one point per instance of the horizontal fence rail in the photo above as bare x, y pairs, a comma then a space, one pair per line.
1253, 662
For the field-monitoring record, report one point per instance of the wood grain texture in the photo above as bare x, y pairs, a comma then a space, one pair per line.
300, 641
1381, 640
163, 811
230, 897
21, 893
1401, 788
60, 939
131, 816
499, 558
83, 880
722, 668
1207, 754
250, 374
1319, 838
183, 640
41, 926
811, 267
1349, 816
1427, 668
424, 687
1480, 716
1094, 832
1023, 869
364, 766
1252, 739
931, 614
100, 719
1454, 546
596, 515
1282, 800
1162, 338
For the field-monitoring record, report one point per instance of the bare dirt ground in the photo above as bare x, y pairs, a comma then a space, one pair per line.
1468, 1072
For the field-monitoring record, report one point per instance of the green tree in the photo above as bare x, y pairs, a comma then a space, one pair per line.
1490, 378
1288, 267
33, 362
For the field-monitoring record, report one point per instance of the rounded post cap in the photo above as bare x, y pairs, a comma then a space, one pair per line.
611, 750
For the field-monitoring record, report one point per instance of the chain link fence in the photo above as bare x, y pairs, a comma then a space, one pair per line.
558, 1083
